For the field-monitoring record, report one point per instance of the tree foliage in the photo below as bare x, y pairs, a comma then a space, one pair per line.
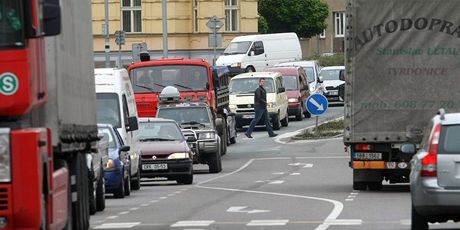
307, 18
263, 25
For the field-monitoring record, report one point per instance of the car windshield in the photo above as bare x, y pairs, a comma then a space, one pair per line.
310, 74
108, 136
290, 82
186, 115
249, 85
330, 74
156, 78
11, 24
159, 131
237, 48
108, 109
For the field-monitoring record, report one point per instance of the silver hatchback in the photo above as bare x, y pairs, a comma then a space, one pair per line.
435, 173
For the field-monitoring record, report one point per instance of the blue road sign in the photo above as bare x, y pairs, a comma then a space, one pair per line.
316, 104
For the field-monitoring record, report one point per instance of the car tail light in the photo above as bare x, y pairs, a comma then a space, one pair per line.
429, 161
364, 147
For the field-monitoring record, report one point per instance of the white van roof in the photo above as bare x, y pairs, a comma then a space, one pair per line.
110, 79
257, 75
265, 37
298, 63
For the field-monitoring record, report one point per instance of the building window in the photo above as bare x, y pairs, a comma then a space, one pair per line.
231, 15
339, 24
323, 34
195, 15
131, 11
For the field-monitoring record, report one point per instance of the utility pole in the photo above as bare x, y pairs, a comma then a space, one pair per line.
165, 28
107, 35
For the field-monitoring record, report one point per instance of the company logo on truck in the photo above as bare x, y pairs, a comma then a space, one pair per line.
9, 84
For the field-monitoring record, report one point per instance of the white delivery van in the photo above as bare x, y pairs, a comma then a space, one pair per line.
116, 106
242, 89
257, 52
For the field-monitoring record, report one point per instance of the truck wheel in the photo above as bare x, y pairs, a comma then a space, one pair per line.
418, 222
232, 140
92, 184
375, 186
100, 192
223, 141
120, 191
285, 121
127, 184
136, 183
187, 179
276, 122
307, 114
298, 116
359, 186
250, 69
80, 208
215, 163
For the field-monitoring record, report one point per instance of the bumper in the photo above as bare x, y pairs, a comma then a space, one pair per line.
233, 71
176, 168
246, 118
431, 200
112, 179
293, 108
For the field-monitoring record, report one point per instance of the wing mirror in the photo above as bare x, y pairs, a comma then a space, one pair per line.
51, 17
252, 53
320, 79
132, 124
342, 75
281, 90
125, 148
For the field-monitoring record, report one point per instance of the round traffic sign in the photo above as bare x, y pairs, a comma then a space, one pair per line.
9, 83
317, 104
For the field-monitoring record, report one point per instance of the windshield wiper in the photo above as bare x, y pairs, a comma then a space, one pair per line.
157, 139
146, 87
193, 123
183, 86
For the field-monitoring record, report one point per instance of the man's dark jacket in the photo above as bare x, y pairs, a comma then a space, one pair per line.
260, 98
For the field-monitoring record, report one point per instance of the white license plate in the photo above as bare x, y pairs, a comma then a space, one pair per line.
155, 166
248, 116
333, 93
368, 156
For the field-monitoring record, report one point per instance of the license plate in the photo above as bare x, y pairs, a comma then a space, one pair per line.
368, 156
247, 116
333, 93
155, 166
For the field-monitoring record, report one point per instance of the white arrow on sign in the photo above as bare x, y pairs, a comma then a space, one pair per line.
315, 103
241, 210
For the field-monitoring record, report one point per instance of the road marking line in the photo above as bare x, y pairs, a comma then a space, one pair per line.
348, 199
117, 225
344, 222
134, 209
279, 173
171, 194
163, 197
354, 193
276, 182
351, 196
338, 206
153, 201
112, 217
123, 213
294, 174
267, 223
145, 205
405, 222
192, 223
260, 181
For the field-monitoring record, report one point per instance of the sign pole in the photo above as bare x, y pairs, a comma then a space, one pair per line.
214, 32
317, 130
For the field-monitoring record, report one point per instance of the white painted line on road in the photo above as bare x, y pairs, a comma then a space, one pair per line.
260, 181
344, 222
134, 209
171, 194
294, 174
163, 197
354, 193
112, 217
276, 182
338, 206
192, 223
153, 201
348, 199
278, 173
240, 209
123, 213
145, 205
117, 225
267, 223
405, 222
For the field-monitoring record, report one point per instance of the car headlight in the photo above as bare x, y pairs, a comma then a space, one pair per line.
293, 100
177, 156
271, 105
232, 107
5, 169
236, 65
206, 135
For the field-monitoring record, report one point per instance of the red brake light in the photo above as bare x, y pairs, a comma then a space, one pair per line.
429, 161
363, 147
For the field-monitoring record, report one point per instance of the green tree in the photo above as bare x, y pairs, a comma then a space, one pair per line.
307, 18
263, 25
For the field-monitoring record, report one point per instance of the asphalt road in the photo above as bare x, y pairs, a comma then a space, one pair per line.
266, 183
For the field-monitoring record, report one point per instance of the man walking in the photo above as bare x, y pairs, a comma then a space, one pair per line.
260, 108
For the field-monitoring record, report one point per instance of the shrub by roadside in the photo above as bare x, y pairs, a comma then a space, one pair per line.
326, 130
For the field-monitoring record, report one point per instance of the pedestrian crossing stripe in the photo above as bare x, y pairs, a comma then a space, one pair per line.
117, 225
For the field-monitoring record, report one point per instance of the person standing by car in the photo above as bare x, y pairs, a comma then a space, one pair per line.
261, 112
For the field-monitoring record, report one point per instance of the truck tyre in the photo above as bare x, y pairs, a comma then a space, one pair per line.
233, 139
285, 121
80, 208
359, 185
298, 116
92, 185
120, 191
136, 183
223, 141
127, 185
100, 192
418, 222
250, 69
215, 163
375, 186
187, 179
306, 114
276, 122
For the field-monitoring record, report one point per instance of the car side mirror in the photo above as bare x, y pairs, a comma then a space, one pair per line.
191, 139
342, 75
252, 53
125, 148
320, 79
281, 90
132, 124
408, 149
207, 85
51, 18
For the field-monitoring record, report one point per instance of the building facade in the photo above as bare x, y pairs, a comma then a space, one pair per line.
186, 19
332, 39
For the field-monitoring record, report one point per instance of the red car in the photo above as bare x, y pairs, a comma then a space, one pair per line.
297, 90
